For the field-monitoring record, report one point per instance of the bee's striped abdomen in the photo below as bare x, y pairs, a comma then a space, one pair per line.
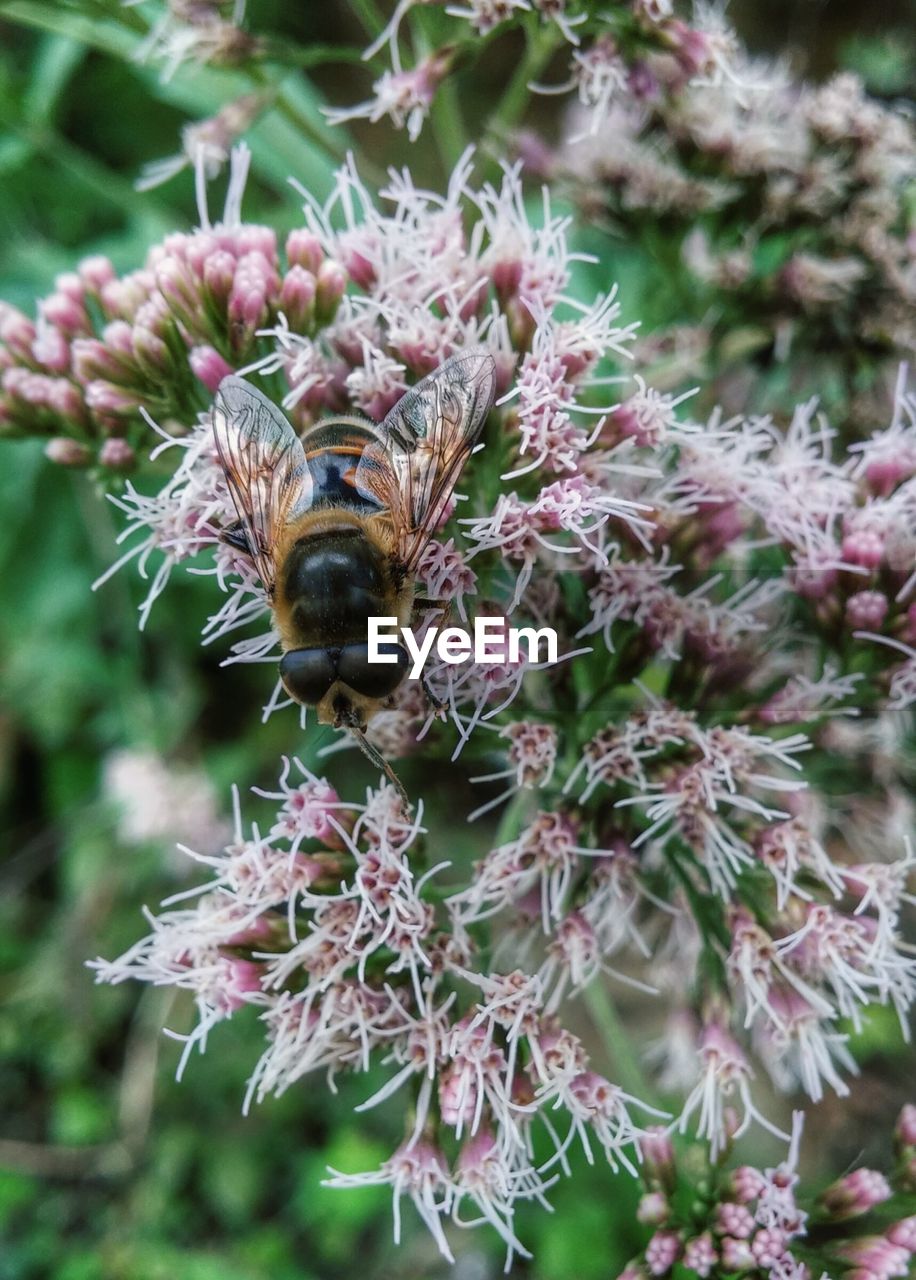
333, 451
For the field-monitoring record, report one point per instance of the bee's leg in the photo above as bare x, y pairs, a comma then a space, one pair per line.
439, 707
234, 535
422, 605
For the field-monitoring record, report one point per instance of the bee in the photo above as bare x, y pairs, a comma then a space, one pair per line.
336, 525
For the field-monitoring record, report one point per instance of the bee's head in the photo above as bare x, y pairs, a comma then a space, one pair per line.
345, 709
342, 683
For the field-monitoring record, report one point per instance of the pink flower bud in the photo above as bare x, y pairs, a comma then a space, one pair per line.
92, 359
813, 582
178, 287
905, 1128
863, 547
689, 46
154, 315
506, 274
658, 1155
856, 1193
119, 337
67, 453
260, 930
866, 610
256, 239
71, 286
653, 1209
903, 1233
66, 313
700, 1255
51, 349
746, 1183
151, 352
209, 366
218, 274
722, 524
736, 1254
768, 1246
735, 1220
475, 1156
883, 474
254, 283
180, 245
662, 1252
358, 264
303, 249
457, 1096
96, 272
195, 250
643, 83
297, 298
247, 307
330, 286
35, 389
66, 400
16, 332
122, 297
117, 454
106, 398
876, 1254
242, 977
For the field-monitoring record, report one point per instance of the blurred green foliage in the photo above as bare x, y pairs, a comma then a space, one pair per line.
108, 1169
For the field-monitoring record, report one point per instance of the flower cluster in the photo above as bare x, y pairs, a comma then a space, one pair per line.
615, 52
761, 1223
325, 926
789, 204
159, 339
201, 31
667, 825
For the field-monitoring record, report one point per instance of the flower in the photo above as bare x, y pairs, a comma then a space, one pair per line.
405, 96
325, 927
666, 818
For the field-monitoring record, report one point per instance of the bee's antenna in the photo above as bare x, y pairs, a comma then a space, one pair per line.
380, 762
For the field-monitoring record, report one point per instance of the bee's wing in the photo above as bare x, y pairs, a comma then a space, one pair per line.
265, 467
426, 440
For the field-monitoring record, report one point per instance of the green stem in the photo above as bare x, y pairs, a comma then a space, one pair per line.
445, 112
307, 56
541, 43
448, 124
369, 15
298, 119
617, 1043
510, 824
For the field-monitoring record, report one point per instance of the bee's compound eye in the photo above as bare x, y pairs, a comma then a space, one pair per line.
372, 679
308, 674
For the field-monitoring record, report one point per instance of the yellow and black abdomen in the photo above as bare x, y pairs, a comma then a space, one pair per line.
333, 451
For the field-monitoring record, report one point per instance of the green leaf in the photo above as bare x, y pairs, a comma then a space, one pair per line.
58, 58
80, 1117
106, 36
